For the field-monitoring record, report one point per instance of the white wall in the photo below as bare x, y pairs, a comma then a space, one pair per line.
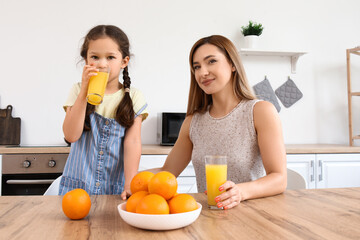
40, 40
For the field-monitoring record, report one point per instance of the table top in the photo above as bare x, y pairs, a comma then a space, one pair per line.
295, 214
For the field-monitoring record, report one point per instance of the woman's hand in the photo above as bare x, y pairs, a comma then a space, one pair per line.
231, 197
88, 72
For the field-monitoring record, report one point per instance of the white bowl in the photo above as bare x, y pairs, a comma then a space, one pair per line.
158, 221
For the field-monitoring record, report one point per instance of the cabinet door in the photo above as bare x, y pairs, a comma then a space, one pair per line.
186, 180
304, 165
338, 170
187, 185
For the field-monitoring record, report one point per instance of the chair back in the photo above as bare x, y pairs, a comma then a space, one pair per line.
54, 187
295, 180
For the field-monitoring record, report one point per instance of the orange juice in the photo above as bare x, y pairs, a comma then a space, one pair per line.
96, 90
216, 175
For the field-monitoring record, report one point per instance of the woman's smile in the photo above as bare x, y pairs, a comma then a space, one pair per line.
207, 82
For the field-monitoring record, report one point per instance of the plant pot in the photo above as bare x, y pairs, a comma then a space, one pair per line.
251, 41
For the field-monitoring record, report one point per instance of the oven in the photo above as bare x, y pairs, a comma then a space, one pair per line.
30, 174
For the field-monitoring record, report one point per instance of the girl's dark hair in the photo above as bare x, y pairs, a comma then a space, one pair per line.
124, 114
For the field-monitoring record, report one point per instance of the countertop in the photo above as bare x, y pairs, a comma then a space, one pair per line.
295, 214
148, 149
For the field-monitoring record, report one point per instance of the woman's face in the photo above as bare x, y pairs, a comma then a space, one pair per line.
212, 69
104, 52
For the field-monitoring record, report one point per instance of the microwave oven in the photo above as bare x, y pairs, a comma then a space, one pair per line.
169, 124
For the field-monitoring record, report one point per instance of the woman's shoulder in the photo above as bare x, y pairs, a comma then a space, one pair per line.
265, 113
263, 106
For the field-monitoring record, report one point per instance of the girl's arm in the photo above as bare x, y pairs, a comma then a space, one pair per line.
132, 154
180, 155
270, 139
75, 115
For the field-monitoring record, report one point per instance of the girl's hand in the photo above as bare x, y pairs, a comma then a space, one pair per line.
88, 72
231, 198
125, 194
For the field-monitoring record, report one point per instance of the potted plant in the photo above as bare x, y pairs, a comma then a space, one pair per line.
251, 33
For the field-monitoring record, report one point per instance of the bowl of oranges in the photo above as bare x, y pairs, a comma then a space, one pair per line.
156, 205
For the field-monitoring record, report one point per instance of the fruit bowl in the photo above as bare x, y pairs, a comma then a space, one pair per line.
158, 222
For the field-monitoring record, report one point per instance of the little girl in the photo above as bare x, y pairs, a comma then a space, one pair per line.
106, 139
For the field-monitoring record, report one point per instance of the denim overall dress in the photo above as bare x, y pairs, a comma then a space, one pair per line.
96, 160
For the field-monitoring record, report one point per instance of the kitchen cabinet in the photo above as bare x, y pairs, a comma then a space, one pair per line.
305, 165
186, 180
327, 170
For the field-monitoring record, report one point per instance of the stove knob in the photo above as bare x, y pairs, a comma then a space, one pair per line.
52, 163
26, 164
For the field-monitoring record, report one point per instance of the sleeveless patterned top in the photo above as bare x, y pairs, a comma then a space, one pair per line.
233, 136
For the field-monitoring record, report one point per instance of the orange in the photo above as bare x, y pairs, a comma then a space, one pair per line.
182, 203
163, 183
140, 181
76, 204
133, 201
152, 204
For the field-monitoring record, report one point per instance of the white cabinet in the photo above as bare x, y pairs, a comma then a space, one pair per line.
338, 170
327, 170
186, 180
305, 165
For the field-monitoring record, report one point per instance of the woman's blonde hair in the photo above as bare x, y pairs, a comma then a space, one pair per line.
198, 99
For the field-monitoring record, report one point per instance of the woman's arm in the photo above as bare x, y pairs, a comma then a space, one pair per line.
132, 154
270, 139
180, 155
75, 115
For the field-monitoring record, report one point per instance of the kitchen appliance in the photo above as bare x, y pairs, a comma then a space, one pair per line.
169, 124
30, 174
9, 127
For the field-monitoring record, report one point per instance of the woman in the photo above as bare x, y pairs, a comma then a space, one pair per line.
225, 118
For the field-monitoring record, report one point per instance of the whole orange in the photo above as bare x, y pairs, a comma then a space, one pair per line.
76, 204
140, 181
163, 183
152, 204
134, 199
182, 203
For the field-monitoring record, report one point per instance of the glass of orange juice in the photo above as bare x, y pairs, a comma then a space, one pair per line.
216, 175
97, 85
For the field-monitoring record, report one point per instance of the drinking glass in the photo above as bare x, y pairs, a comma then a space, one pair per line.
97, 85
216, 175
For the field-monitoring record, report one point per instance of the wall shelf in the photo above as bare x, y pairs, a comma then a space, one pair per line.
294, 56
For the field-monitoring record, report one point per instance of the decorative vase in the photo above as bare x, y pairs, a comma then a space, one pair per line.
251, 41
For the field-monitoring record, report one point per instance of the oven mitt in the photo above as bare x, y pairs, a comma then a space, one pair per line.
288, 93
264, 91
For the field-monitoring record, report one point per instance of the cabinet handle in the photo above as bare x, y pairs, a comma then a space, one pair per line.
321, 171
312, 171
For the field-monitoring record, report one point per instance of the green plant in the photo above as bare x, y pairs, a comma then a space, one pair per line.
252, 28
